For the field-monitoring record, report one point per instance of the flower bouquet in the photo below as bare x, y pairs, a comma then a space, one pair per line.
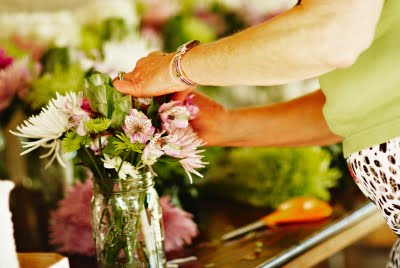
119, 138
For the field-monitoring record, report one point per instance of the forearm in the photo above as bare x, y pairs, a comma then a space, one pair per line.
299, 122
307, 41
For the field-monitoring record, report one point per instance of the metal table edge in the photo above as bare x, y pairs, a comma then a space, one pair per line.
319, 237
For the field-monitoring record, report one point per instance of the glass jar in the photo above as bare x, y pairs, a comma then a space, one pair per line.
127, 223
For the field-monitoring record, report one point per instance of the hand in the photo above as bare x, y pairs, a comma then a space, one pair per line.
150, 77
211, 122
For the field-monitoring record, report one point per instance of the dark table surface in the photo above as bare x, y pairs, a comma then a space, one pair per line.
263, 248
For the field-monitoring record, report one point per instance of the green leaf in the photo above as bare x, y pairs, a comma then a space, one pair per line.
123, 143
98, 79
121, 108
72, 141
93, 162
104, 99
110, 148
152, 113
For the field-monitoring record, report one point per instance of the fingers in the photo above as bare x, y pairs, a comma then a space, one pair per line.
124, 86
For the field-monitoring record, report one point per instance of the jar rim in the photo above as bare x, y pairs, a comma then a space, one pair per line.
141, 182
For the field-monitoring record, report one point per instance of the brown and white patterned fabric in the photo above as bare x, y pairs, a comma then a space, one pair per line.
376, 171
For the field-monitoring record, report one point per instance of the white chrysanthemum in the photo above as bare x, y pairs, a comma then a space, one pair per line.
46, 128
123, 55
122, 167
57, 22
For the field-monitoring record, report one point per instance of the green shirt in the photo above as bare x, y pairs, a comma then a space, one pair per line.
363, 101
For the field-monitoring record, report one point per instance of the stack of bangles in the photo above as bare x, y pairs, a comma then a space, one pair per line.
176, 71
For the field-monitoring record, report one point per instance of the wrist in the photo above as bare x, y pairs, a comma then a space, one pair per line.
177, 72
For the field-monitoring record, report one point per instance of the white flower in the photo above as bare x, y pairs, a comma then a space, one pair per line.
101, 10
123, 55
153, 151
122, 167
71, 106
47, 128
59, 27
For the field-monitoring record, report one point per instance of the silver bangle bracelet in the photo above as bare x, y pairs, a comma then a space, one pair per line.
176, 68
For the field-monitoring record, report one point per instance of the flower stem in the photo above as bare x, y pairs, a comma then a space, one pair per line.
94, 162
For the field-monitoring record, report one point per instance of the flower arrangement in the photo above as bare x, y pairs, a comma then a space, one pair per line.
115, 136
118, 138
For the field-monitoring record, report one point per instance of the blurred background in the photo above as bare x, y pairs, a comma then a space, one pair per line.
49, 46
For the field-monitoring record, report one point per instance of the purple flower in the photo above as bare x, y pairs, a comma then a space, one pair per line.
174, 115
138, 127
4, 60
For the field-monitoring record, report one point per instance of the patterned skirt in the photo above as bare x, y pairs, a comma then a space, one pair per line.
376, 171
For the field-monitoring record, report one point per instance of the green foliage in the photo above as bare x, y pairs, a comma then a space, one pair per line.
97, 125
60, 80
152, 113
56, 58
104, 99
183, 28
233, 22
123, 143
11, 49
94, 35
268, 176
72, 142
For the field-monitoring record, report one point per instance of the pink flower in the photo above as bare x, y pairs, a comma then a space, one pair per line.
192, 108
70, 225
179, 226
4, 60
78, 115
138, 127
13, 79
86, 106
191, 158
71, 229
153, 150
158, 11
94, 145
174, 115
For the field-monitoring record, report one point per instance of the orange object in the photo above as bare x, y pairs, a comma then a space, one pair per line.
295, 210
298, 210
